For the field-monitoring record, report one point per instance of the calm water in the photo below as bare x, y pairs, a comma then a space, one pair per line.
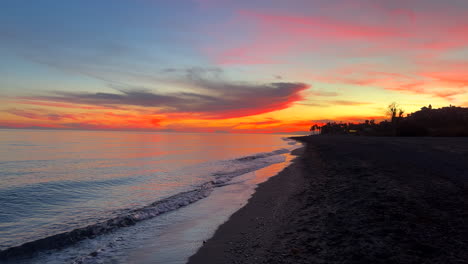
57, 181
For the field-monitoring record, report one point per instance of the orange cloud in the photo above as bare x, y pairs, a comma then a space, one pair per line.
444, 79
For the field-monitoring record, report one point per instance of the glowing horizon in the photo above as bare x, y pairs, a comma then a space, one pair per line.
227, 66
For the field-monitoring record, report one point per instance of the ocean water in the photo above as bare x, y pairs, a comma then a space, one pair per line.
125, 197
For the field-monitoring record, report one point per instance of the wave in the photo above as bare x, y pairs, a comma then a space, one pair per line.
235, 167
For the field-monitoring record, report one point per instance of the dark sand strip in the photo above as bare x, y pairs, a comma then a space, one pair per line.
355, 200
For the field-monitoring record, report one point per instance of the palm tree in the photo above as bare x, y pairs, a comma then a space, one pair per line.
396, 114
313, 128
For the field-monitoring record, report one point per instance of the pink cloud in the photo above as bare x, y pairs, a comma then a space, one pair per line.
372, 31
276, 35
320, 26
449, 73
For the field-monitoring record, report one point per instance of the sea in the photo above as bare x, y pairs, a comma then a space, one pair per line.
125, 197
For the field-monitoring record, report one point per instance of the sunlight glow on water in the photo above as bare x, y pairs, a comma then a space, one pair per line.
55, 181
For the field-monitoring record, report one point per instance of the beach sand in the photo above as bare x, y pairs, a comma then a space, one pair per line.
355, 200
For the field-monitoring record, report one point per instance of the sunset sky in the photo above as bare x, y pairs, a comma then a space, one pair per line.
226, 65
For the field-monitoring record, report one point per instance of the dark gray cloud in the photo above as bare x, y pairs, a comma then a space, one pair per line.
195, 72
212, 98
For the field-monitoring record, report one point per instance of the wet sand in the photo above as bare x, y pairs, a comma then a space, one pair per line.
355, 200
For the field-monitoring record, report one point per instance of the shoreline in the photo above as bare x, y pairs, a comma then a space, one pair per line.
355, 200
244, 237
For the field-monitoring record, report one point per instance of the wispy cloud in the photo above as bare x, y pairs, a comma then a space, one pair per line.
344, 102
325, 103
39, 114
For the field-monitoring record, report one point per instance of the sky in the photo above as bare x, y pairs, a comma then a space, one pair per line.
265, 66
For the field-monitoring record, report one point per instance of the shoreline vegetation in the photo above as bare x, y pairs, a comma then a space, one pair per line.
448, 121
355, 200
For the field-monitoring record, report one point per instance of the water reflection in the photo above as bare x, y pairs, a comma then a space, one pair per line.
54, 181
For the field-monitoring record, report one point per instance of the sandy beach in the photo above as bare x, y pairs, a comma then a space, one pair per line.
355, 200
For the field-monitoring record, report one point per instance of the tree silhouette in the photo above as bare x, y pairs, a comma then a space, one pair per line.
445, 121
396, 114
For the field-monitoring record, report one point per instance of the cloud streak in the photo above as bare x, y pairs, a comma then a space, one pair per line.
39, 115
